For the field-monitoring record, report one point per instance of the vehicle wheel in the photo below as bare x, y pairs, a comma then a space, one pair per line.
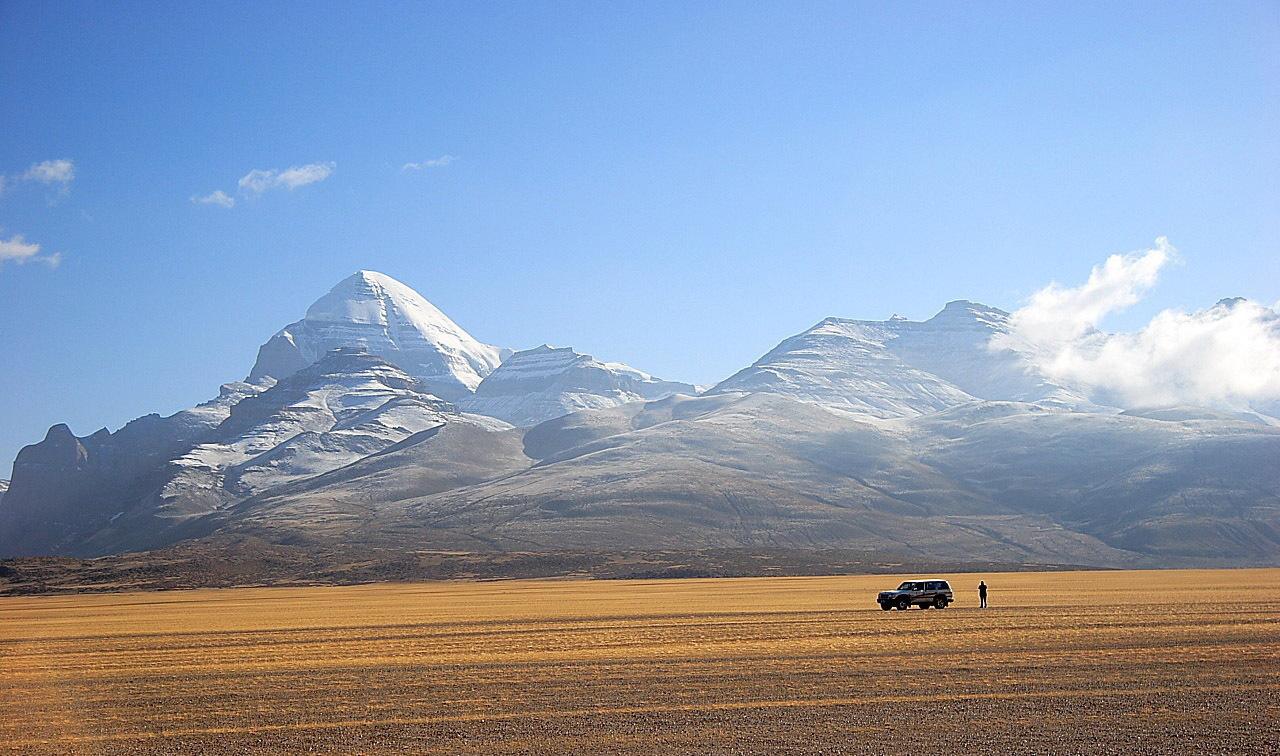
886, 606
904, 604
940, 603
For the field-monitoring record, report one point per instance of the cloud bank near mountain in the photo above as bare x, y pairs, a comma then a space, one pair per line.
1227, 355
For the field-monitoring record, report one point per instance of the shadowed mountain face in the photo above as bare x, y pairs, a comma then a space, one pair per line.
376, 422
66, 489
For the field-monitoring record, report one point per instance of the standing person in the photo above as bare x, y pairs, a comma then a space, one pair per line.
982, 594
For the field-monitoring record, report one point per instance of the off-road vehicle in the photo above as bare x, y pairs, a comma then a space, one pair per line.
921, 593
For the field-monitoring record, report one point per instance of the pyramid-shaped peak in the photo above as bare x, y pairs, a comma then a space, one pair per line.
375, 281
375, 312
367, 296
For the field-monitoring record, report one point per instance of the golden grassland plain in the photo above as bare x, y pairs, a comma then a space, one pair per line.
1070, 662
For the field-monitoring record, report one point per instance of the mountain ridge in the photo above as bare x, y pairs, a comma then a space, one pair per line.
539, 384
377, 422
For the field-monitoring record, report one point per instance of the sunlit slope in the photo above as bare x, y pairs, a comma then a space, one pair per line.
998, 481
1131, 662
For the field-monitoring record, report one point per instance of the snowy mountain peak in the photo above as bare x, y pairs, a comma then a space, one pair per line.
545, 382
899, 367
386, 318
370, 297
964, 311
847, 364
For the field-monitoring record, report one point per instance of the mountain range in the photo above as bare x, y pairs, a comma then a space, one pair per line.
377, 422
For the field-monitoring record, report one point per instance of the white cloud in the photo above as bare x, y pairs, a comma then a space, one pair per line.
218, 197
60, 172
54, 173
439, 162
1227, 355
301, 175
259, 180
18, 250
1057, 315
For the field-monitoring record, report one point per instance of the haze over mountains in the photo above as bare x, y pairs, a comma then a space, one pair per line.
377, 421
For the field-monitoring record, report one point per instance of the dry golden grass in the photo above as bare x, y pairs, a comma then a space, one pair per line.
1075, 662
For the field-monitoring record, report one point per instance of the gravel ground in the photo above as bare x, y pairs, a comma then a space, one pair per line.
1074, 662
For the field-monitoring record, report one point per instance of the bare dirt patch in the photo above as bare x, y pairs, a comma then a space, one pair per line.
1066, 662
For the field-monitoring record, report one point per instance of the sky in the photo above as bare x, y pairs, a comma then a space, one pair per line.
678, 186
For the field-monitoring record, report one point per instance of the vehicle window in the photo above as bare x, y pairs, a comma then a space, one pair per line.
905, 587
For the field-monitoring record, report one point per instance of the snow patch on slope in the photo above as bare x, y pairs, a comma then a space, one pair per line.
345, 407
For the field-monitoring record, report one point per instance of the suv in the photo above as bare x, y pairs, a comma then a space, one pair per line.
922, 593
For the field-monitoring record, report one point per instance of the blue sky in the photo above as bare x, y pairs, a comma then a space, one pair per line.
677, 186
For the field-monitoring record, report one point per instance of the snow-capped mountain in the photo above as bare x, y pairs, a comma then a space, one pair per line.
104, 492
955, 345
377, 422
900, 367
368, 367
991, 480
347, 406
546, 382
386, 318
